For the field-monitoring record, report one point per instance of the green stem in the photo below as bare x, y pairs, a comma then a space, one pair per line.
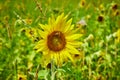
52, 70
16, 69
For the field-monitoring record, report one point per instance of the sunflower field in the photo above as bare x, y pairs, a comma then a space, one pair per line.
59, 39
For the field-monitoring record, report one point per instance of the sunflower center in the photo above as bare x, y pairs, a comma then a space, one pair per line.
56, 41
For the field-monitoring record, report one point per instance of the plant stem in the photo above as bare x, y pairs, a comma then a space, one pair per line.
52, 70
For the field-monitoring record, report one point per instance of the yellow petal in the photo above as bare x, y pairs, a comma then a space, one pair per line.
74, 43
51, 20
46, 52
73, 37
69, 56
45, 27
41, 48
60, 22
71, 49
43, 34
59, 18
70, 31
71, 27
46, 60
56, 58
61, 57
40, 43
67, 27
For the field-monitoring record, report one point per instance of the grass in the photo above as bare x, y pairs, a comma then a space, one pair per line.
101, 43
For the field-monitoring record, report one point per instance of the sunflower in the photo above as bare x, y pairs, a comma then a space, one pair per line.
117, 40
82, 3
22, 77
30, 33
59, 40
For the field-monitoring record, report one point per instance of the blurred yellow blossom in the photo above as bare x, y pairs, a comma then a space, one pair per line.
22, 77
117, 35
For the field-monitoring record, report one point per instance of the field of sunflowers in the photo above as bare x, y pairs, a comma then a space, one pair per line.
59, 39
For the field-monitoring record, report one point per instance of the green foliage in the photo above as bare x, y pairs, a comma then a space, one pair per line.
101, 52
